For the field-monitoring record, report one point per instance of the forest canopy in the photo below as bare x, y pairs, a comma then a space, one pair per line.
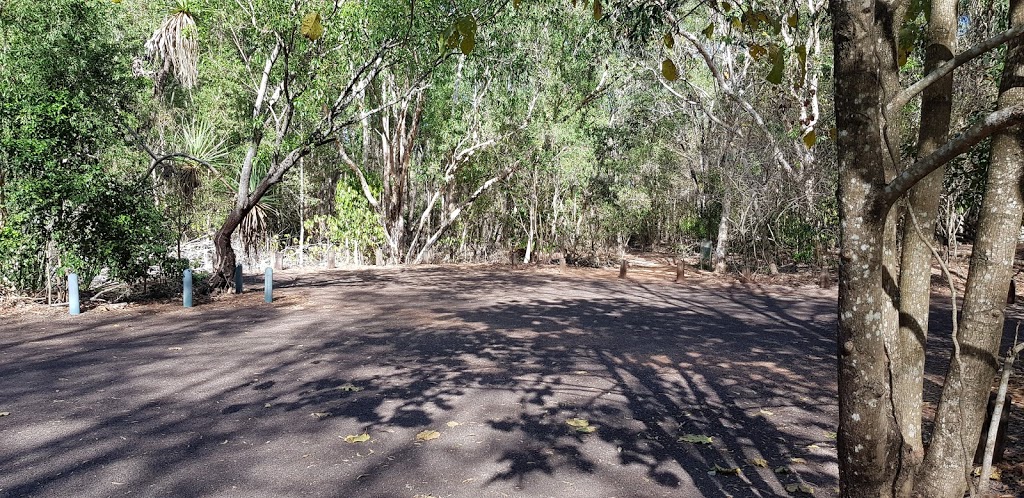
394, 132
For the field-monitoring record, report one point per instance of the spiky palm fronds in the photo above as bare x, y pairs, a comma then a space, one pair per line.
255, 228
175, 46
200, 139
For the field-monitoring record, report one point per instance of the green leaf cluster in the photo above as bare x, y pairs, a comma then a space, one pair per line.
69, 199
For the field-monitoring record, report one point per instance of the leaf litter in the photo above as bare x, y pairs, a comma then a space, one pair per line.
362, 438
581, 425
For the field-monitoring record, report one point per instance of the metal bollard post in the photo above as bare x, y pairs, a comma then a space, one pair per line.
186, 284
238, 279
268, 285
73, 304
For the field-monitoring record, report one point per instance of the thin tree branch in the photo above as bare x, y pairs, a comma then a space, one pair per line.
676, 94
454, 214
727, 89
904, 96
986, 127
157, 160
367, 192
997, 413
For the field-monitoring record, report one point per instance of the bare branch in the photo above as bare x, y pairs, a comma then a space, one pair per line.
910, 92
997, 413
728, 90
261, 90
676, 94
454, 214
988, 126
367, 192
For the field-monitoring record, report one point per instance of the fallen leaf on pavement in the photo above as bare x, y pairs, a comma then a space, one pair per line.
427, 435
578, 422
695, 439
357, 439
581, 425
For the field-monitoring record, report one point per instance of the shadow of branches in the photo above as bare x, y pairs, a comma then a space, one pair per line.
241, 397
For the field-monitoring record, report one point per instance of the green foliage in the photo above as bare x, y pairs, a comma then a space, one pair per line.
65, 84
353, 222
702, 224
80, 220
588, 149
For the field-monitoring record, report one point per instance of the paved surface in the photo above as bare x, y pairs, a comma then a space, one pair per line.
240, 398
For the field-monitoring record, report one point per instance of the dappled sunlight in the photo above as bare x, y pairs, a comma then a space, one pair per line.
495, 363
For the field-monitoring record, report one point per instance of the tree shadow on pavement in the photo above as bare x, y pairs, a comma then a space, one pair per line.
244, 398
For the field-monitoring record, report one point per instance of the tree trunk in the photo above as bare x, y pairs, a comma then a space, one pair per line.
398, 133
224, 255
722, 246
965, 393
302, 214
868, 441
917, 242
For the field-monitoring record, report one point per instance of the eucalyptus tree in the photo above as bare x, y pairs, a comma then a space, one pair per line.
760, 76
582, 86
300, 66
391, 139
457, 133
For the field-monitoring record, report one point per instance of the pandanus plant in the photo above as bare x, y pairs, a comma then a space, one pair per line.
174, 45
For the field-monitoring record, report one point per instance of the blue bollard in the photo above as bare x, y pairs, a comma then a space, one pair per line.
73, 305
186, 285
268, 285
238, 279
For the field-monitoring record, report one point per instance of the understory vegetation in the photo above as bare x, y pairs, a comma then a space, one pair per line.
401, 133
769, 136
